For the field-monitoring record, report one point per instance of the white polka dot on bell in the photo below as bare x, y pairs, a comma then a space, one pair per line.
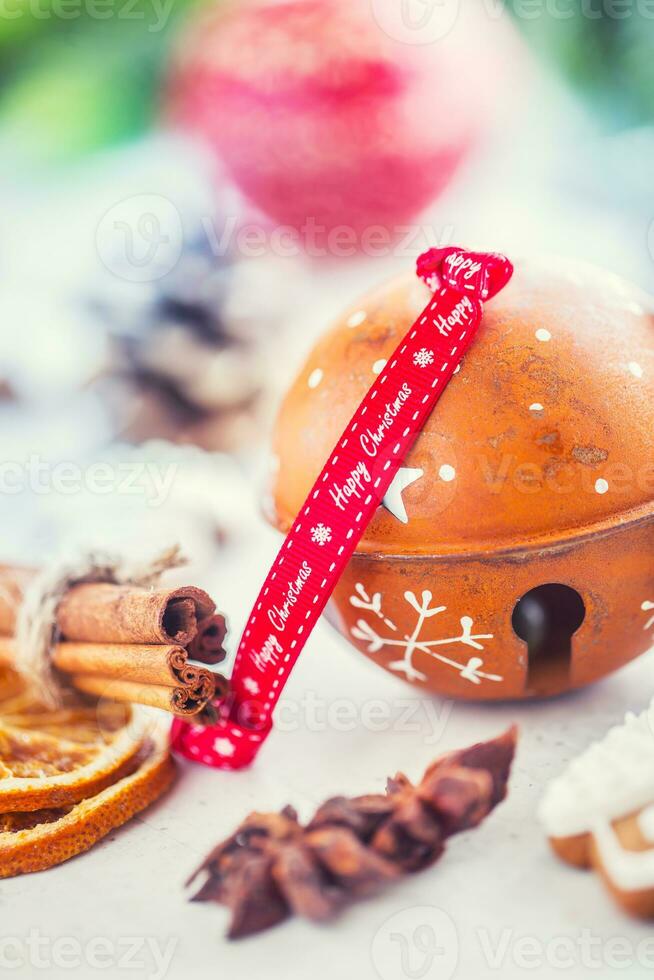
379, 366
601, 486
635, 369
315, 378
356, 319
535, 407
447, 473
543, 335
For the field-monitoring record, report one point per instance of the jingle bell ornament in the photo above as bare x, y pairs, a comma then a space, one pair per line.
513, 555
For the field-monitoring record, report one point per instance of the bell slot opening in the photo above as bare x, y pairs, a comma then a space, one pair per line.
546, 618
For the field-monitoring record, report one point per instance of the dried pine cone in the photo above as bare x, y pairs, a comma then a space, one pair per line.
188, 352
273, 867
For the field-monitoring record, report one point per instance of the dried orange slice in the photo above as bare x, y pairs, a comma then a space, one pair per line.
57, 758
41, 839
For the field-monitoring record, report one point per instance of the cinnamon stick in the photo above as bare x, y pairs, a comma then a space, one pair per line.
102, 613
138, 665
207, 645
177, 700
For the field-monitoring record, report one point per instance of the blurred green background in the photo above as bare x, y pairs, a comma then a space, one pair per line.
604, 47
78, 75
78, 82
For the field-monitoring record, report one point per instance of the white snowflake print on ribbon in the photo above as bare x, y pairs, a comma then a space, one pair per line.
251, 685
423, 357
647, 607
470, 670
321, 534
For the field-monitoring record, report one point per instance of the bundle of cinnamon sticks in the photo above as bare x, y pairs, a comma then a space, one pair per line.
128, 643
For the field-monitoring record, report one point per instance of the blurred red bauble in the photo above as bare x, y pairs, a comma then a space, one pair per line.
338, 111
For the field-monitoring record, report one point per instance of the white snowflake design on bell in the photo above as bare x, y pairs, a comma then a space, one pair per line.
223, 746
423, 357
371, 604
251, 685
648, 606
469, 671
321, 534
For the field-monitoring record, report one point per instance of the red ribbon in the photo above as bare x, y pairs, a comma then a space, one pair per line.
329, 525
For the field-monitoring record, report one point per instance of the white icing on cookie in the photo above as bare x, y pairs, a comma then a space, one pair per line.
646, 823
610, 779
630, 871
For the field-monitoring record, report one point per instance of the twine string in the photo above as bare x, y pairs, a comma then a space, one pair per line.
36, 622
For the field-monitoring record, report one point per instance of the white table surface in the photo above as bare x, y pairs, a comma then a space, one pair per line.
497, 901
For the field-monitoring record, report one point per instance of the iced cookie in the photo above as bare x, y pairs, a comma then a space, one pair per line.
600, 812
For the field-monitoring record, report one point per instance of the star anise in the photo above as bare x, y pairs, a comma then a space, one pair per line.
273, 867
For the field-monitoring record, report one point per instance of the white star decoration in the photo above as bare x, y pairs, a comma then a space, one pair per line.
223, 746
392, 500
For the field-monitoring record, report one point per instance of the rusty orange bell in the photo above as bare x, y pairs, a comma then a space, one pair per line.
514, 553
